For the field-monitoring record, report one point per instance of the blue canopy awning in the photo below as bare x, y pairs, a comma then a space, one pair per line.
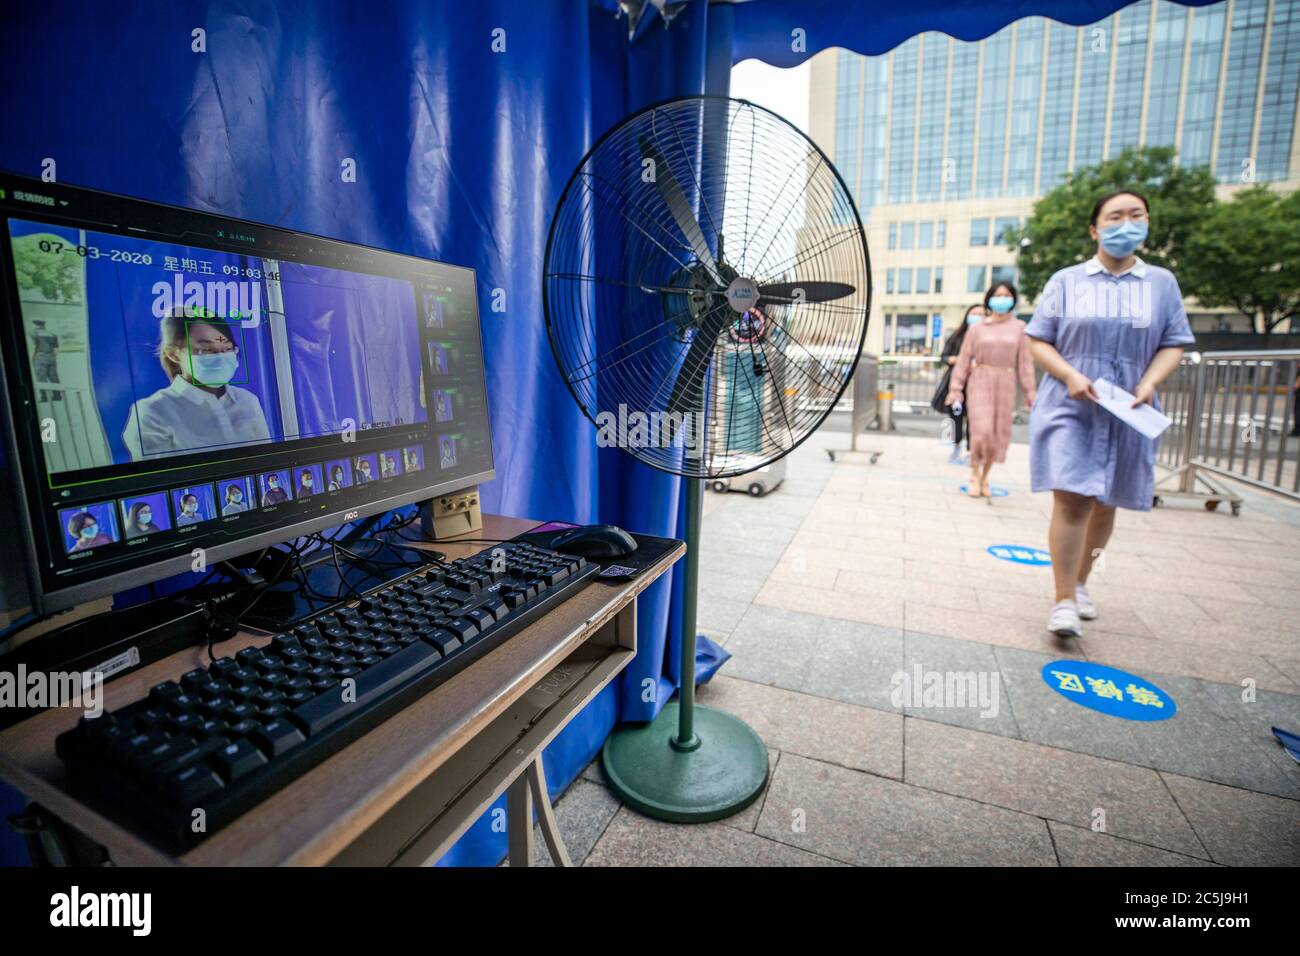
785, 33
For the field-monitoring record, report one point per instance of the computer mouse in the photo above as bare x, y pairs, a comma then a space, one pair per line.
595, 541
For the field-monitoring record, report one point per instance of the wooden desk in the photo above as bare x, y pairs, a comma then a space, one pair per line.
404, 792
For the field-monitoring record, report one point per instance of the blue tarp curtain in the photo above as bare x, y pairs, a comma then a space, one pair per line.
464, 121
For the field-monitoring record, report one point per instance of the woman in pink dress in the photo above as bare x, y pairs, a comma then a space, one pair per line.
993, 358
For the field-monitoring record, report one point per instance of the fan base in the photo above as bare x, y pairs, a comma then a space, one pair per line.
721, 776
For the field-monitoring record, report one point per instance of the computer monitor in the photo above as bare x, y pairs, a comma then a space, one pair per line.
181, 386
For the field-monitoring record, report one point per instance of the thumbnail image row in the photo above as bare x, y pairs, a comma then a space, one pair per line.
95, 525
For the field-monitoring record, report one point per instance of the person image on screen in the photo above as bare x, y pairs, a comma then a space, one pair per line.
412, 460
200, 408
336, 478
235, 503
45, 358
305, 483
361, 473
274, 494
387, 467
85, 528
139, 520
447, 454
189, 510
440, 407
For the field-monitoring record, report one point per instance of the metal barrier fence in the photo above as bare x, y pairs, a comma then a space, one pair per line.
914, 377
1234, 416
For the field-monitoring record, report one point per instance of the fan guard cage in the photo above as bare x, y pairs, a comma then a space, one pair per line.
638, 315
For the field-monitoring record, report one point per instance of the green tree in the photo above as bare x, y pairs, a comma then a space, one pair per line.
57, 276
1245, 253
1058, 229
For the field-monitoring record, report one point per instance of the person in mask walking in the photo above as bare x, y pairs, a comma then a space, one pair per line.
993, 358
1116, 318
956, 413
200, 409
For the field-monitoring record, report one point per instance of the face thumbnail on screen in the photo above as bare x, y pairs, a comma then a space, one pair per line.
365, 468
147, 350
308, 481
413, 458
145, 514
338, 475
236, 496
194, 505
89, 526
446, 451
273, 487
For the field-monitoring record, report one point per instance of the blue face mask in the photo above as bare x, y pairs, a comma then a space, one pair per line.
1121, 240
236, 498
214, 370
973, 319
90, 531
145, 517
1001, 304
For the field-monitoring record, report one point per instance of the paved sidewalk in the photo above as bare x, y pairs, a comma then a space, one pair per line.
853, 572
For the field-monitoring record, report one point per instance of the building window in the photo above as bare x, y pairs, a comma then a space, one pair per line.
923, 280
893, 235
1237, 114
902, 121
889, 281
908, 238
904, 280
1001, 226
991, 151
1206, 48
924, 235
940, 233
938, 279
911, 334
1003, 274
979, 232
975, 279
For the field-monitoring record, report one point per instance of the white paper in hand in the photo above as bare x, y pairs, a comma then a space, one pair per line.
1119, 403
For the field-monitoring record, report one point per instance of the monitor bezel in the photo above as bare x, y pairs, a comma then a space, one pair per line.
43, 600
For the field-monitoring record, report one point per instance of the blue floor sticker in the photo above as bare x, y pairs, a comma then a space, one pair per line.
1108, 690
1036, 557
994, 489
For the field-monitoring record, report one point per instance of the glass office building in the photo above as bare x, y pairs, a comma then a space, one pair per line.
946, 143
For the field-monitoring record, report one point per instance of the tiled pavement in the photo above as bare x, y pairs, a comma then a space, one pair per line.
852, 572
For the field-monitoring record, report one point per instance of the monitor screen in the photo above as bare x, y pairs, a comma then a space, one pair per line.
182, 385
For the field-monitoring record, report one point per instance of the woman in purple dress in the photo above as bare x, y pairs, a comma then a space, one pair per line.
1117, 318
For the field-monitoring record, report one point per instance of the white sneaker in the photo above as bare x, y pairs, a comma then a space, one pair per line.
1064, 620
1082, 600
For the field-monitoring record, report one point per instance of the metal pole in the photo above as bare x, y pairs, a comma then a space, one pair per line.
686, 739
1192, 439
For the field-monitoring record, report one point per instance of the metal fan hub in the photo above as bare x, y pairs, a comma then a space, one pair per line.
742, 294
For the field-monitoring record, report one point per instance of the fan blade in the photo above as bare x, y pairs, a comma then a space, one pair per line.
812, 291
690, 380
680, 208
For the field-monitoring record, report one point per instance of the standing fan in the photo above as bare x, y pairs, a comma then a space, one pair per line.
706, 287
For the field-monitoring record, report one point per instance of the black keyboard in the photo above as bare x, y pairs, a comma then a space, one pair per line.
225, 737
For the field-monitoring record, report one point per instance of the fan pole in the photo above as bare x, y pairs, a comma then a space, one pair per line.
690, 764
686, 739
